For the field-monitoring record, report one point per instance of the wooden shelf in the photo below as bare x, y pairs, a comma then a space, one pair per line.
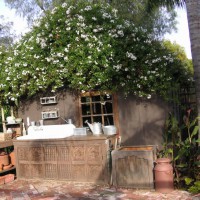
4, 144
48, 100
8, 124
16, 127
50, 114
6, 170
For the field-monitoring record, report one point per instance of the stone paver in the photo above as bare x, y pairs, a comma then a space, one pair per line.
62, 190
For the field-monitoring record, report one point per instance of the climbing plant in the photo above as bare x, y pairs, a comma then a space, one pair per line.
87, 47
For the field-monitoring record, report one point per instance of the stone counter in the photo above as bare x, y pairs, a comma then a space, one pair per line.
75, 158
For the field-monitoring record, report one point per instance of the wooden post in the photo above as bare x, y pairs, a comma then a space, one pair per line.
3, 120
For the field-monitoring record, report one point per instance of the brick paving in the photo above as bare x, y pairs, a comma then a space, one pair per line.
62, 190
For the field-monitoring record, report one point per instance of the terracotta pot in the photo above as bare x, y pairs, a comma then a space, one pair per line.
7, 167
8, 178
1, 168
4, 159
12, 158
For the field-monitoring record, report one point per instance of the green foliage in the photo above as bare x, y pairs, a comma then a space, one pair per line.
88, 47
181, 145
152, 4
195, 188
6, 36
181, 55
172, 133
159, 21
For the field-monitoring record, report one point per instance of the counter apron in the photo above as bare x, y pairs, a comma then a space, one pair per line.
75, 158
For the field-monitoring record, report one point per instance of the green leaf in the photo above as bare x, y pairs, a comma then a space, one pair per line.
188, 180
198, 141
181, 165
195, 131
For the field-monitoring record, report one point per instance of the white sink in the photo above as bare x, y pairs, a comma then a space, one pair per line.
49, 131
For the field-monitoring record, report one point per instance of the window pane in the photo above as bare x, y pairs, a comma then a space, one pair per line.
107, 108
96, 108
95, 98
86, 109
98, 119
107, 97
85, 99
108, 120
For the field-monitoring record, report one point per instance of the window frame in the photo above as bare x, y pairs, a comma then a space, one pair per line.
97, 93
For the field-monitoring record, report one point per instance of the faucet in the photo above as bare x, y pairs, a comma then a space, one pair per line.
64, 120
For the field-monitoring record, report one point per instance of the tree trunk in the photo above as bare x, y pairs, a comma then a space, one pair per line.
193, 14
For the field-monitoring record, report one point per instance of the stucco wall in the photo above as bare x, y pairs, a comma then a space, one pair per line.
67, 107
141, 121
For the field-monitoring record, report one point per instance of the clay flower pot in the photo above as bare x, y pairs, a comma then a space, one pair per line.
12, 158
4, 159
7, 167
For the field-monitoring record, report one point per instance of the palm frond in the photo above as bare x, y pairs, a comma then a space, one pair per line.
166, 3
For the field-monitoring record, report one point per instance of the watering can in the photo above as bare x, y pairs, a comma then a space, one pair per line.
96, 127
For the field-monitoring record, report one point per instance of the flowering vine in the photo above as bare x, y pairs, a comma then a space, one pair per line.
87, 47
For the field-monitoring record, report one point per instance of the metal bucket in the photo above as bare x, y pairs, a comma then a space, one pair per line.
109, 130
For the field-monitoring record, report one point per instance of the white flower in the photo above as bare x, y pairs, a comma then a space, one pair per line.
68, 11
94, 18
106, 15
88, 8
12, 98
115, 12
48, 59
121, 33
15, 52
80, 18
46, 26
66, 50
130, 55
83, 36
36, 56
59, 54
64, 5
148, 96
117, 67
54, 10
68, 28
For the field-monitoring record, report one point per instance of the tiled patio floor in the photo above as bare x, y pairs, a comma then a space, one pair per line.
61, 190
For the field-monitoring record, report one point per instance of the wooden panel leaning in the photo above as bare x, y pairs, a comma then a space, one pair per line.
132, 166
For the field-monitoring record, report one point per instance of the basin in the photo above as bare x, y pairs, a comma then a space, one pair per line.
48, 132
